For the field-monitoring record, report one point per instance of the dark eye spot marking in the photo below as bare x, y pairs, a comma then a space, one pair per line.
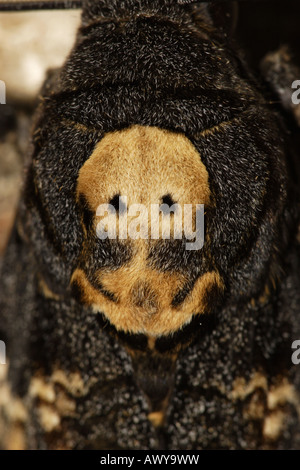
167, 199
118, 204
87, 214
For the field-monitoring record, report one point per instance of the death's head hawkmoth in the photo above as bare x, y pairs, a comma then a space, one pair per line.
137, 340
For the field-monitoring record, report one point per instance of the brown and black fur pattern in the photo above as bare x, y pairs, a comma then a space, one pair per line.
95, 362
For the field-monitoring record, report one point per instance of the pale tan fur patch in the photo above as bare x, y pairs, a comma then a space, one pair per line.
13, 415
15, 438
144, 164
53, 400
281, 394
46, 291
156, 418
48, 395
49, 417
13, 407
241, 389
65, 405
274, 424
42, 390
72, 382
127, 316
255, 409
268, 410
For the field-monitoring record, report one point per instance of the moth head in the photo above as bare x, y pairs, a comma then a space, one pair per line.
141, 263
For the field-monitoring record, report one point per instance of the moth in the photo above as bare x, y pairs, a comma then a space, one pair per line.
131, 342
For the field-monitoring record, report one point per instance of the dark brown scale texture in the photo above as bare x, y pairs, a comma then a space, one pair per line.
225, 380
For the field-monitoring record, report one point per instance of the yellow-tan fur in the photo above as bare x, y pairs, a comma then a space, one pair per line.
144, 164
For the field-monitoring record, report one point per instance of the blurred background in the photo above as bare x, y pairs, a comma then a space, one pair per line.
31, 43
